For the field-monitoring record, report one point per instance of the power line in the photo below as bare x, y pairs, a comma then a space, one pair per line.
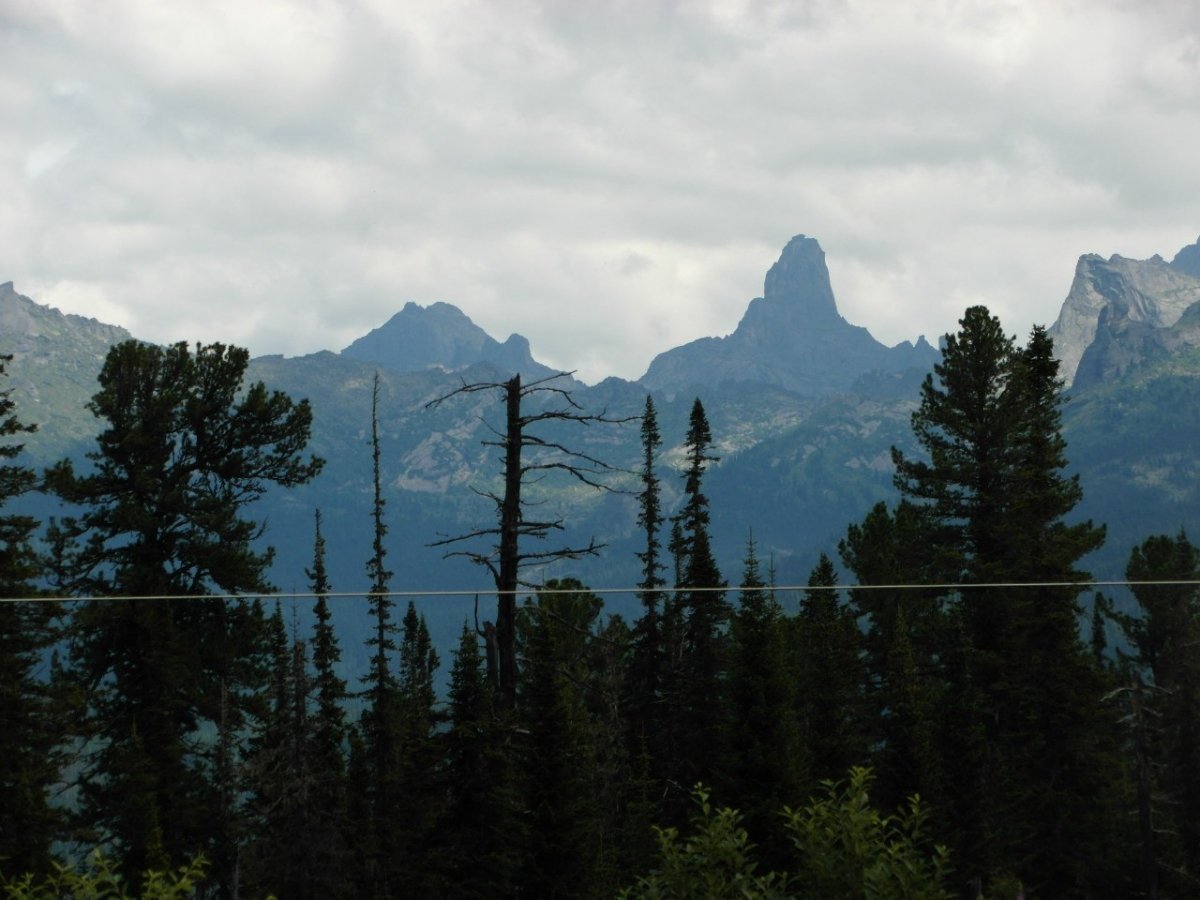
535, 589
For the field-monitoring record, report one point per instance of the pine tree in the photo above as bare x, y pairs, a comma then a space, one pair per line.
379, 725
27, 823
830, 678
647, 647
767, 760
185, 449
993, 499
1165, 638
481, 835
695, 684
417, 752
560, 784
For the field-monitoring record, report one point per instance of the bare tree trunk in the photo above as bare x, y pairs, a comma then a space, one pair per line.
510, 522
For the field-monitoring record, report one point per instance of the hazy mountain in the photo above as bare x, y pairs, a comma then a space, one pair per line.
803, 452
1150, 291
441, 336
791, 337
1187, 260
53, 373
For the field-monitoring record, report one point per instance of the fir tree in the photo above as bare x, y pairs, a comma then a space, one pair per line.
27, 726
695, 687
481, 834
185, 449
767, 761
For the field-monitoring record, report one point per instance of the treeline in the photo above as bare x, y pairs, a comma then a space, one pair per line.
956, 668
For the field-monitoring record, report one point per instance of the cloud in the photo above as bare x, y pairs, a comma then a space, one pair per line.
609, 182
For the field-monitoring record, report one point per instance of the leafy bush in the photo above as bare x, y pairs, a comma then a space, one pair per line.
98, 880
844, 849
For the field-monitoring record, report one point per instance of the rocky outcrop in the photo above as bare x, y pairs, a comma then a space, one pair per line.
1187, 260
791, 337
441, 336
1149, 293
56, 358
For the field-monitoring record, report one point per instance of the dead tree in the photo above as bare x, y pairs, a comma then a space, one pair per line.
509, 551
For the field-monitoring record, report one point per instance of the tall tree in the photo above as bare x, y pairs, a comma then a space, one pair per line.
647, 643
483, 819
27, 823
186, 448
767, 761
327, 796
380, 721
830, 677
994, 496
514, 528
694, 684
1165, 638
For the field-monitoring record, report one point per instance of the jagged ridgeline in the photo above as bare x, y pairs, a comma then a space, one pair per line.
804, 408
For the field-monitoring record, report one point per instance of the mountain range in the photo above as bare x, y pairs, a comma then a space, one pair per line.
804, 408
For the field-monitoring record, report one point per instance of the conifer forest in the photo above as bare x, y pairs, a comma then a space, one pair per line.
948, 709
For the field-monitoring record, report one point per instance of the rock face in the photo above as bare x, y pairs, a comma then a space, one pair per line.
441, 336
791, 337
1150, 293
1187, 260
56, 358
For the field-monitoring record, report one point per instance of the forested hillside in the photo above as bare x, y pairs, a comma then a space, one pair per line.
185, 718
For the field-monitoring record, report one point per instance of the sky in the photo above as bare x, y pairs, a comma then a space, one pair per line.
608, 179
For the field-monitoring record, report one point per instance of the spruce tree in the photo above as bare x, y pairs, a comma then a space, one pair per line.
767, 760
380, 722
417, 757
1165, 638
647, 647
560, 758
185, 449
696, 683
328, 792
829, 679
993, 498
481, 835
27, 726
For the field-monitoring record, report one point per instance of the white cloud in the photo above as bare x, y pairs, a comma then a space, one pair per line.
608, 181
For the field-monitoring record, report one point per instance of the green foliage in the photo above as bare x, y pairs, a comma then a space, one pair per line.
715, 860
848, 849
100, 880
843, 848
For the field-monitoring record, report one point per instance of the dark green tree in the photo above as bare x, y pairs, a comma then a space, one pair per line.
327, 796
829, 678
515, 527
694, 683
559, 752
186, 448
418, 759
377, 838
482, 833
993, 496
27, 629
1165, 638
647, 646
767, 760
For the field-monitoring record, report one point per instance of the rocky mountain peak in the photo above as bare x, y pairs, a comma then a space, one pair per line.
800, 279
1150, 291
443, 336
1187, 260
791, 337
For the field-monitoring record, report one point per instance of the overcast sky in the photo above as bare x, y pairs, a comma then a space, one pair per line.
609, 179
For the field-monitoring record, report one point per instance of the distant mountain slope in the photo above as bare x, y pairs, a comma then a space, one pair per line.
441, 336
1149, 291
792, 337
56, 358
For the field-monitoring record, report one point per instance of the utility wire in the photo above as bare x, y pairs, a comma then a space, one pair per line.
535, 589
